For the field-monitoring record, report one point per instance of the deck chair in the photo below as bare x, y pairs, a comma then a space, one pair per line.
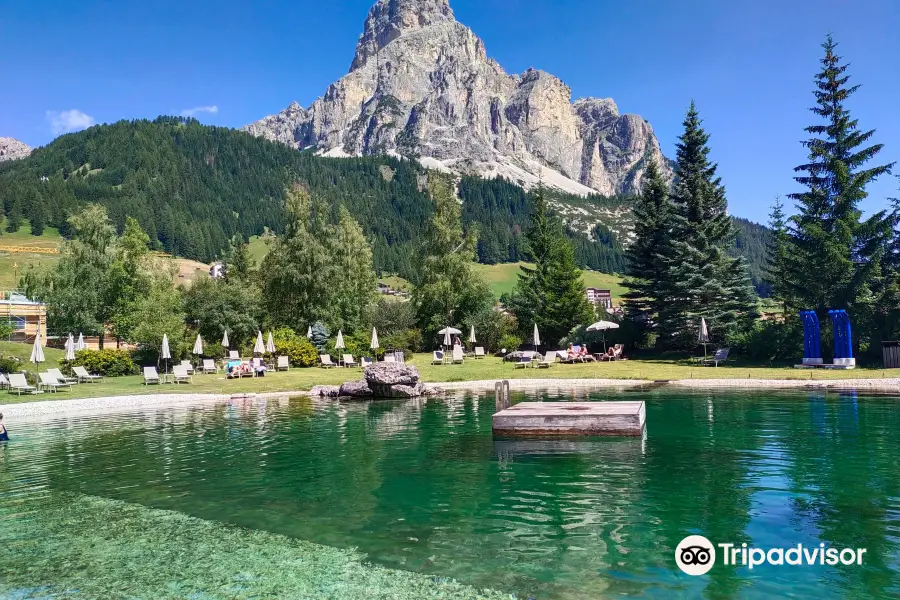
234, 355
547, 360
326, 361
187, 365
181, 374
85, 377
283, 364
4, 382
524, 361
366, 361
390, 358
349, 361
438, 357
479, 352
50, 382
209, 366
150, 376
19, 385
720, 356
458, 355
62, 378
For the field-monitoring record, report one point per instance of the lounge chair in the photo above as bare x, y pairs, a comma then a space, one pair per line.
4, 382
151, 376
187, 365
181, 374
479, 352
48, 381
209, 366
62, 378
390, 358
720, 356
244, 369
19, 385
438, 357
326, 361
547, 360
349, 361
85, 377
283, 364
524, 360
234, 355
366, 361
458, 355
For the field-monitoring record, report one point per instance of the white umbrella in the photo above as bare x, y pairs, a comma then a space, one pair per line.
472, 335
80, 344
165, 354
603, 326
225, 340
37, 351
259, 347
70, 348
270, 344
537, 337
447, 341
374, 345
703, 338
339, 344
198, 346
309, 332
450, 330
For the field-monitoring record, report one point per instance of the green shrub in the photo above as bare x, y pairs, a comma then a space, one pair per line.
356, 345
298, 349
10, 364
770, 341
410, 341
107, 362
215, 351
509, 342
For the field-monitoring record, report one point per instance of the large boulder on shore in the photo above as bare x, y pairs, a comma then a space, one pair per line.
405, 391
391, 374
355, 389
327, 391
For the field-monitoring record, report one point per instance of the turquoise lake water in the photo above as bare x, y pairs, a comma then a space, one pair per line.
301, 498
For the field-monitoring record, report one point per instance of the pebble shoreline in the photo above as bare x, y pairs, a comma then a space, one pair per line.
50, 408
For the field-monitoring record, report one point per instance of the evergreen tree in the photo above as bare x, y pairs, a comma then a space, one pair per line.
447, 290
237, 260
647, 266
552, 294
702, 280
834, 253
778, 255
356, 287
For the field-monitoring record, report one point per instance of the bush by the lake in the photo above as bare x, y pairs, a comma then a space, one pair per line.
107, 362
298, 349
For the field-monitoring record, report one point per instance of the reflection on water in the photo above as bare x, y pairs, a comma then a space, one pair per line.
424, 486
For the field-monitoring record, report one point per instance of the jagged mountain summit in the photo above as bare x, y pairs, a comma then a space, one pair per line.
12, 149
421, 85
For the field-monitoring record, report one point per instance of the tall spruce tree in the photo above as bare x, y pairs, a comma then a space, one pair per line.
701, 280
552, 294
835, 254
647, 268
778, 255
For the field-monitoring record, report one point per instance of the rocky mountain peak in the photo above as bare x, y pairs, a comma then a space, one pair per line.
12, 149
388, 19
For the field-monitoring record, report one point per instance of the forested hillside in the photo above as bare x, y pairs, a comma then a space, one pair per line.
751, 243
192, 187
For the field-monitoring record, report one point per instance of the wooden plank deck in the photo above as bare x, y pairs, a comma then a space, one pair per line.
571, 418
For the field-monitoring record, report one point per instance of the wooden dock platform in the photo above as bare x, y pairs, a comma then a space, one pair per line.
571, 418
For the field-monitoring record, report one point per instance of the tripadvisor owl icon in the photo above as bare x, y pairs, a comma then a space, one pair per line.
695, 555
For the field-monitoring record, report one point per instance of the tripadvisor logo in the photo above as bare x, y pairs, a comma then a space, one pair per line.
696, 555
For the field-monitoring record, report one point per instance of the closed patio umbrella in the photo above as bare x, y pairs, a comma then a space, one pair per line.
374, 344
309, 332
80, 344
339, 344
447, 332
270, 344
703, 338
70, 348
164, 353
537, 337
603, 326
225, 340
472, 335
37, 351
259, 347
198, 346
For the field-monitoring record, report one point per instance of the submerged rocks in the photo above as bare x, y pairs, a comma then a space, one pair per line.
327, 391
383, 380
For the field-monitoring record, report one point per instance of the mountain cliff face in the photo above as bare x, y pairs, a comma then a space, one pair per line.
421, 85
11, 149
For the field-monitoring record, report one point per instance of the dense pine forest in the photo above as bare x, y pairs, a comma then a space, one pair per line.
193, 187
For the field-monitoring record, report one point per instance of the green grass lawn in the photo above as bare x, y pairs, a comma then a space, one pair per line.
487, 369
502, 278
13, 264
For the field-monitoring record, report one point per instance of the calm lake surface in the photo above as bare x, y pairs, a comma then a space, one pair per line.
424, 487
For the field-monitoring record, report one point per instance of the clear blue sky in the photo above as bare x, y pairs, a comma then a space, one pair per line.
748, 64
